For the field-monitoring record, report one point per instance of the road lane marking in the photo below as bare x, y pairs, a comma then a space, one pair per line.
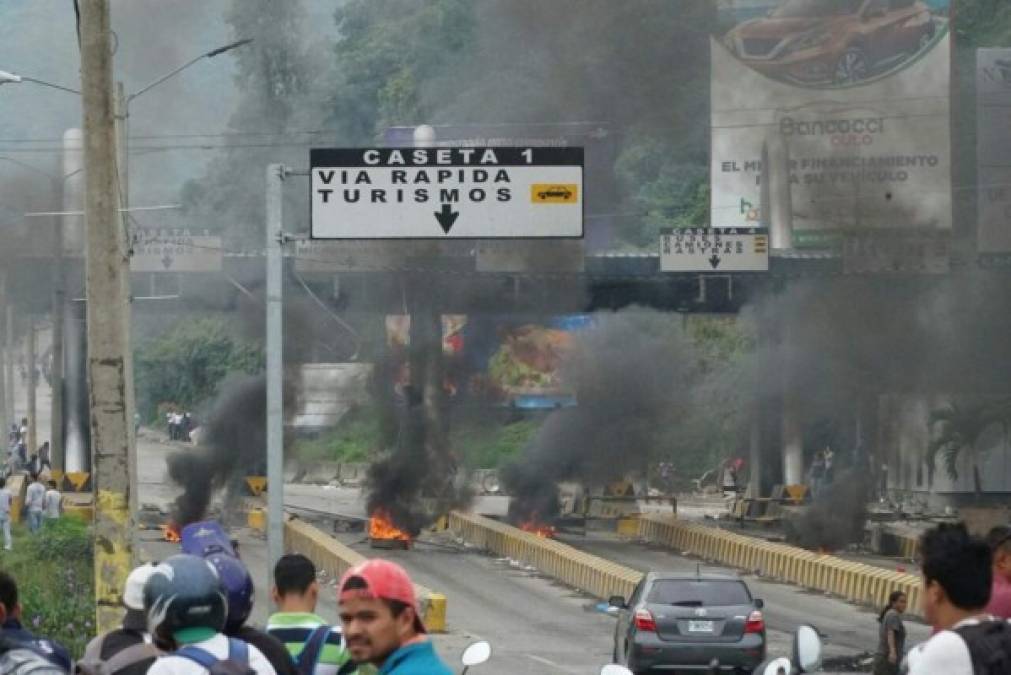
548, 662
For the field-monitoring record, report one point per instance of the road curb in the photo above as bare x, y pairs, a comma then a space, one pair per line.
334, 558
597, 576
854, 581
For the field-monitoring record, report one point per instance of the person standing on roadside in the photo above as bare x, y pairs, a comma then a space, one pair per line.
6, 504
53, 504
999, 539
892, 635
957, 575
35, 503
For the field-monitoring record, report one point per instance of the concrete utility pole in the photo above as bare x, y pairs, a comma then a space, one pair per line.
275, 366
9, 364
108, 317
32, 383
4, 393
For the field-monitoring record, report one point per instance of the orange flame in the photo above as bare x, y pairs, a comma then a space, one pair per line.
381, 527
170, 532
540, 529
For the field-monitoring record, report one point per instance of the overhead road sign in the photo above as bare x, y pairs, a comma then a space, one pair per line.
174, 250
705, 249
447, 193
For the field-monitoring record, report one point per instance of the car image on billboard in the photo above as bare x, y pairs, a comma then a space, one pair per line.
836, 43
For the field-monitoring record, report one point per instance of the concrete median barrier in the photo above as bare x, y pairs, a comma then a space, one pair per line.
596, 576
854, 581
334, 558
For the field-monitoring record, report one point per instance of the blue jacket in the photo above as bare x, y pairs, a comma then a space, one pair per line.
54, 652
418, 658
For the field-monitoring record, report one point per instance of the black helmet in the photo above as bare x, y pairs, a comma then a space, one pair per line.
184, 592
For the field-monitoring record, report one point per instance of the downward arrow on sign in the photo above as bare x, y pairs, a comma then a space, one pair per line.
446, 217
715, 261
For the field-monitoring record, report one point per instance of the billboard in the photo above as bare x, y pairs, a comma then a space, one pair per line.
502, 360
829, 117
993, 154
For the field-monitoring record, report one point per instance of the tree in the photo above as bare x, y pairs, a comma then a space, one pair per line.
962, 424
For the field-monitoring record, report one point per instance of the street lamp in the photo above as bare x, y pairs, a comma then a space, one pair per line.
11, 78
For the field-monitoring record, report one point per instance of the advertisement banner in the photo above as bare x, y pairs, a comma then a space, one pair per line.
831, 116
993, 113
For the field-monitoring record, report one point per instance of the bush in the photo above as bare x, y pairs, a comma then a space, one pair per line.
185, 365
356, 439
55, 577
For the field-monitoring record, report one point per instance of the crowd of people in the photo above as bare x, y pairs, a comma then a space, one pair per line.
189, 615
179, 425
967, 602
18, 458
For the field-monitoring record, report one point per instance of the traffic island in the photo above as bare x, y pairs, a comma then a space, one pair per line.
334, 558
599, 577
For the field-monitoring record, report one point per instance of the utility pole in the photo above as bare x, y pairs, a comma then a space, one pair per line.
9, 352
56, 369
32, 427
275, 366
4, 393
108, 316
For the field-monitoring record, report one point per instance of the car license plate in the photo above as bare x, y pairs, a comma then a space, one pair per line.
700, 626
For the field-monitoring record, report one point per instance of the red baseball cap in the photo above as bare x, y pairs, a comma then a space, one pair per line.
384, 580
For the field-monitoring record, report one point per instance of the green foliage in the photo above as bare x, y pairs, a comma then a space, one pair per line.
960, 425
185, 365
357, 438
55, 576
491, 446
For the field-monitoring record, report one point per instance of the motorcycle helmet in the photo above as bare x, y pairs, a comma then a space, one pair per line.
184, 592
237, 586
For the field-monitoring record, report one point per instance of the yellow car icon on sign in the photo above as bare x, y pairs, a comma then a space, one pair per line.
554, 193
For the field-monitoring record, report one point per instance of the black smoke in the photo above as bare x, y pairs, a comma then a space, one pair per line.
232, 445
632, 374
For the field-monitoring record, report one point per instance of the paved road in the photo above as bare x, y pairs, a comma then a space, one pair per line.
849, 628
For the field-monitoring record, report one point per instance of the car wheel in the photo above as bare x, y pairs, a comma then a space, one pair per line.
852, 66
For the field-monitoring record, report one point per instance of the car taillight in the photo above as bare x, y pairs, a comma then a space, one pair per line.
755, 623
644, 621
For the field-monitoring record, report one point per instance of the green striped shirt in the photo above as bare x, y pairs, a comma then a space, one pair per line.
294, 628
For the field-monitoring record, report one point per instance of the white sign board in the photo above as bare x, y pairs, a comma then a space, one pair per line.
706, 249
174, 250
993, 110
447, 193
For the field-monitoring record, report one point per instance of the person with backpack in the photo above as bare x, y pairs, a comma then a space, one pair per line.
238, 588
130, 649
316, 647
185, 605
957, 575
20, 650
382, 623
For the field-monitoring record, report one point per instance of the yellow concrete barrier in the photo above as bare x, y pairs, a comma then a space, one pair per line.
335, 559
853, 581
596, 576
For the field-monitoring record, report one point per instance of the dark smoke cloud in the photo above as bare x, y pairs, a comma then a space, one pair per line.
631, 372
836, 517
232, 445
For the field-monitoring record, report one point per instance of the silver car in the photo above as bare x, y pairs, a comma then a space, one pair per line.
686, 622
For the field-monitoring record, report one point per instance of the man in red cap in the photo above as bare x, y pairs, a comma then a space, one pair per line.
381, 621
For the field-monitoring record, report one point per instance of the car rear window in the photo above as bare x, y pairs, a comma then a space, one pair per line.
702, 593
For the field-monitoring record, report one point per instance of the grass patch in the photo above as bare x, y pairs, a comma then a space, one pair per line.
356, 439
55, 575
490, 446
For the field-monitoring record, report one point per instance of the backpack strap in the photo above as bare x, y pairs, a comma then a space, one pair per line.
132, 655
93, 652
199, 656
238, 651
989, 643
312, 649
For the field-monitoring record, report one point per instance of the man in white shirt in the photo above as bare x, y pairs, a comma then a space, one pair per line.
53, 507
35, 503
957, 576
185, 604
6, 503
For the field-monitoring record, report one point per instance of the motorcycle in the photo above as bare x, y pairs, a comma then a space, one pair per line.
805, 658
475, 654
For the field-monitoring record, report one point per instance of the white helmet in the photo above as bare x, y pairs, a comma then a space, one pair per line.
133, 592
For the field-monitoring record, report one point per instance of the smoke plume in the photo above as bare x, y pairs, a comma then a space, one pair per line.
232, 445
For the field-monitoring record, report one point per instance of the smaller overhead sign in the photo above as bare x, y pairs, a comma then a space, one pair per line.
725, 249
174, 250
884, 251
447, 193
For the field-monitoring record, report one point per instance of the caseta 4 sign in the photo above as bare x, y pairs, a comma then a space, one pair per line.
447, 193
